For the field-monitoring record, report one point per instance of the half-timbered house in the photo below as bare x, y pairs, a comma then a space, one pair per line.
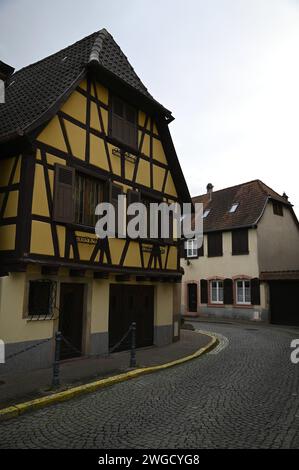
77, 128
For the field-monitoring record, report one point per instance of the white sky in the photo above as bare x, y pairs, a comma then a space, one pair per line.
228, 69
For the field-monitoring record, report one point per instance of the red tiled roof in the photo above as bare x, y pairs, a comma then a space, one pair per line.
251, 198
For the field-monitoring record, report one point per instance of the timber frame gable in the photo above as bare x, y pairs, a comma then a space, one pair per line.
75, 132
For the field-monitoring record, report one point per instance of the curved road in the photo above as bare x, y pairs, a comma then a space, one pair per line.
244, 395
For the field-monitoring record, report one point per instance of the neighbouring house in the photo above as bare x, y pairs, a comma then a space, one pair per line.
79, 127
248, 265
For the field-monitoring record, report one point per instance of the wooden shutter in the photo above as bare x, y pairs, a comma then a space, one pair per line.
200, 251
240, 242
183, 253
114, 191
64, 187
255, 291
124, 122
203, 291
215, 244
228, 296
192, 297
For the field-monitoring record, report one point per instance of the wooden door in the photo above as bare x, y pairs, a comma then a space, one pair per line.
71, 319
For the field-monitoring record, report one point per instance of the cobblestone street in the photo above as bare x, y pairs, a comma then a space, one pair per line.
243, 395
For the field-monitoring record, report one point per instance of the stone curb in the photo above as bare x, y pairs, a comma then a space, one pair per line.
17, 410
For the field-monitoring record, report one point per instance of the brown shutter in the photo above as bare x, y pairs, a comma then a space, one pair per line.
255, 291
215, 244
114, 191
240, 242
64, 187
124, 122
228, 295
183, 253
203, 291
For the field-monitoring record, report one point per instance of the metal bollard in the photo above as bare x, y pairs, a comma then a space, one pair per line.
56, 378
133, 346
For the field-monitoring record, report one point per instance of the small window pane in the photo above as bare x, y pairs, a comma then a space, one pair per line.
41, 298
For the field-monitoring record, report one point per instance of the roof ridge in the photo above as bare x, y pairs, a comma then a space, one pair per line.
229, 187
98, 46
54, 54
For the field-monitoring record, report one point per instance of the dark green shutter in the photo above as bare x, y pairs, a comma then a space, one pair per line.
203, 291
255, 291
228, 295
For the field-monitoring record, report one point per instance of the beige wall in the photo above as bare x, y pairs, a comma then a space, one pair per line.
278, 241
15, 327
226, 266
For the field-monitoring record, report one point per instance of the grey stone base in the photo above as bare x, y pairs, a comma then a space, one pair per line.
163, 335
38, 357
234, 313
99, 343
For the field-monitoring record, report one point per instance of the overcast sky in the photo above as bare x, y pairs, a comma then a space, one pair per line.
228, 70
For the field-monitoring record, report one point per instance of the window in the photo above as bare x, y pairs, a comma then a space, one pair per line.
243, 292
216, 292
240, 242
123, 122
233, 208
191, 247
192, 297
277, 208
206, 213
88, 194
215, 244
42, 298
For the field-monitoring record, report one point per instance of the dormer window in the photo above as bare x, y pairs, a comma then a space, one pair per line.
233, 208
206, 213
123, 124
277, 208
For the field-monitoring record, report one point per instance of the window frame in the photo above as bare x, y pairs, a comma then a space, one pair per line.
53, 296
193, 249
277, 208
243, 302
217, 281
99, 182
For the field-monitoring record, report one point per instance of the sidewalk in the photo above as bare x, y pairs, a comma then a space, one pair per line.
15, 388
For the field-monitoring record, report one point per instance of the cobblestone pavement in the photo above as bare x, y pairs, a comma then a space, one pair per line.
245, 396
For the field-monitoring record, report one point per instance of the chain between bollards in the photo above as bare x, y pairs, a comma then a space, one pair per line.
133, 346
56, 375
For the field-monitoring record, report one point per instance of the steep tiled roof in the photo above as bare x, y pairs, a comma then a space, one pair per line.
33, 90
251, 198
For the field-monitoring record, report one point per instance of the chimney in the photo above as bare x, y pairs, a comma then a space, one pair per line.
285, 196
5, 71
210, 190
